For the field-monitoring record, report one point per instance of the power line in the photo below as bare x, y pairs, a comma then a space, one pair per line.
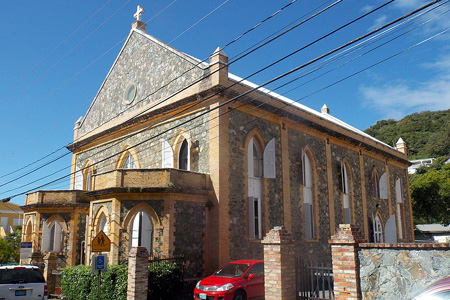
277, 77
225, 103
228, 44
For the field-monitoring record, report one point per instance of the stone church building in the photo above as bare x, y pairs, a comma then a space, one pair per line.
184, 158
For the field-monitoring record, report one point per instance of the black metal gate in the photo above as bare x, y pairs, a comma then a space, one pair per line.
314, 280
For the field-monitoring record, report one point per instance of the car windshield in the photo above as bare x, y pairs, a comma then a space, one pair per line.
24, 275
232, 270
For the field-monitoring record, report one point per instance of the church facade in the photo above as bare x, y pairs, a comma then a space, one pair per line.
184, 158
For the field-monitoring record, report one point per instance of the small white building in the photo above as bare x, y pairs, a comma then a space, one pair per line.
415, 164
432, 233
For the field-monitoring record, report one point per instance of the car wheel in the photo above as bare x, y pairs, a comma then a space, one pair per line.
239, 295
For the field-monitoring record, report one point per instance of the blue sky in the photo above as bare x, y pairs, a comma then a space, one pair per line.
56, 54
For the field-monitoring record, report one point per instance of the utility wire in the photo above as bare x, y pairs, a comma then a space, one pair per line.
233, 99
26, 74
201, 19
228, 44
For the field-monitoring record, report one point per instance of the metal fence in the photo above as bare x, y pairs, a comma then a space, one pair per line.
314, 280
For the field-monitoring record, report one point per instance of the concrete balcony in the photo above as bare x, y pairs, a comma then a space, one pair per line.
151, 179
60, 198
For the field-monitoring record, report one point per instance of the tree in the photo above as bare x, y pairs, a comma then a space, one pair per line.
430, 193
10, 246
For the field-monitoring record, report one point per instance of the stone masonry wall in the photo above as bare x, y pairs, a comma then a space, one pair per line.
189, 236
395, 173
317, 249
240, 125
339, 155
149, 154
398, 271
149, 66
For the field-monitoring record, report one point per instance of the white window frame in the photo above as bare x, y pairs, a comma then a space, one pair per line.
399, 200
375, 184
378, 230
141, 231
103, 224
254, 189
308, 197
129, 162
346, 195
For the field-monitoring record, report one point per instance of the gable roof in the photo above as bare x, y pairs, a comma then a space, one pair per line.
138, 62
204, 66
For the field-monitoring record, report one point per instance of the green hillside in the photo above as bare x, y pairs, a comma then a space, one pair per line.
427, 134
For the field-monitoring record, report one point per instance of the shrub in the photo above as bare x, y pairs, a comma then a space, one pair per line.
80, 283
164, 279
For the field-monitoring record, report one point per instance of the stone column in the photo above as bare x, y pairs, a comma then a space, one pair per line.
137, 274
50, 261
279, 265
36, 259
344, 253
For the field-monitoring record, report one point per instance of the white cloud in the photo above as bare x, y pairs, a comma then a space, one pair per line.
396, 100
381, 20
367, 8
409, 4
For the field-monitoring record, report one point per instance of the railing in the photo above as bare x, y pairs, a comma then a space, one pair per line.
314, 280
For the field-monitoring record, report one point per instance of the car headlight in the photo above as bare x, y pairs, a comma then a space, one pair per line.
197, 286
225, 287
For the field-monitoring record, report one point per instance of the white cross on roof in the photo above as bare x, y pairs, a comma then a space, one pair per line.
139, 12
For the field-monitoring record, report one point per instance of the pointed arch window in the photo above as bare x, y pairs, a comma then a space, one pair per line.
103, 224
400, 209
28, 237
129, 162
254, 169
87, 176
52, 237
308, 201
183, 156
346, 194
377, 230
375, 184
142, 231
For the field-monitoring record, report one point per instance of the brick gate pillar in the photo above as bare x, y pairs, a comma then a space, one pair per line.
279, 265
137, 274
344, 254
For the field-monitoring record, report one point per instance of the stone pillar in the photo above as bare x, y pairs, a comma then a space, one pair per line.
279, 265
50, 261
36, 259
344, 254
137, 274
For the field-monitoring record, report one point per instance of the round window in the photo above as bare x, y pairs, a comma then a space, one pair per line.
130, 93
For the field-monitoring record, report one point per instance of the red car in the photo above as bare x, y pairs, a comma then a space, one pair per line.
237, 280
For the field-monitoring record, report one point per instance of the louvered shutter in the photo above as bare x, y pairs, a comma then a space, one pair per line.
167, 155
269, 160
78, 179
383, 187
